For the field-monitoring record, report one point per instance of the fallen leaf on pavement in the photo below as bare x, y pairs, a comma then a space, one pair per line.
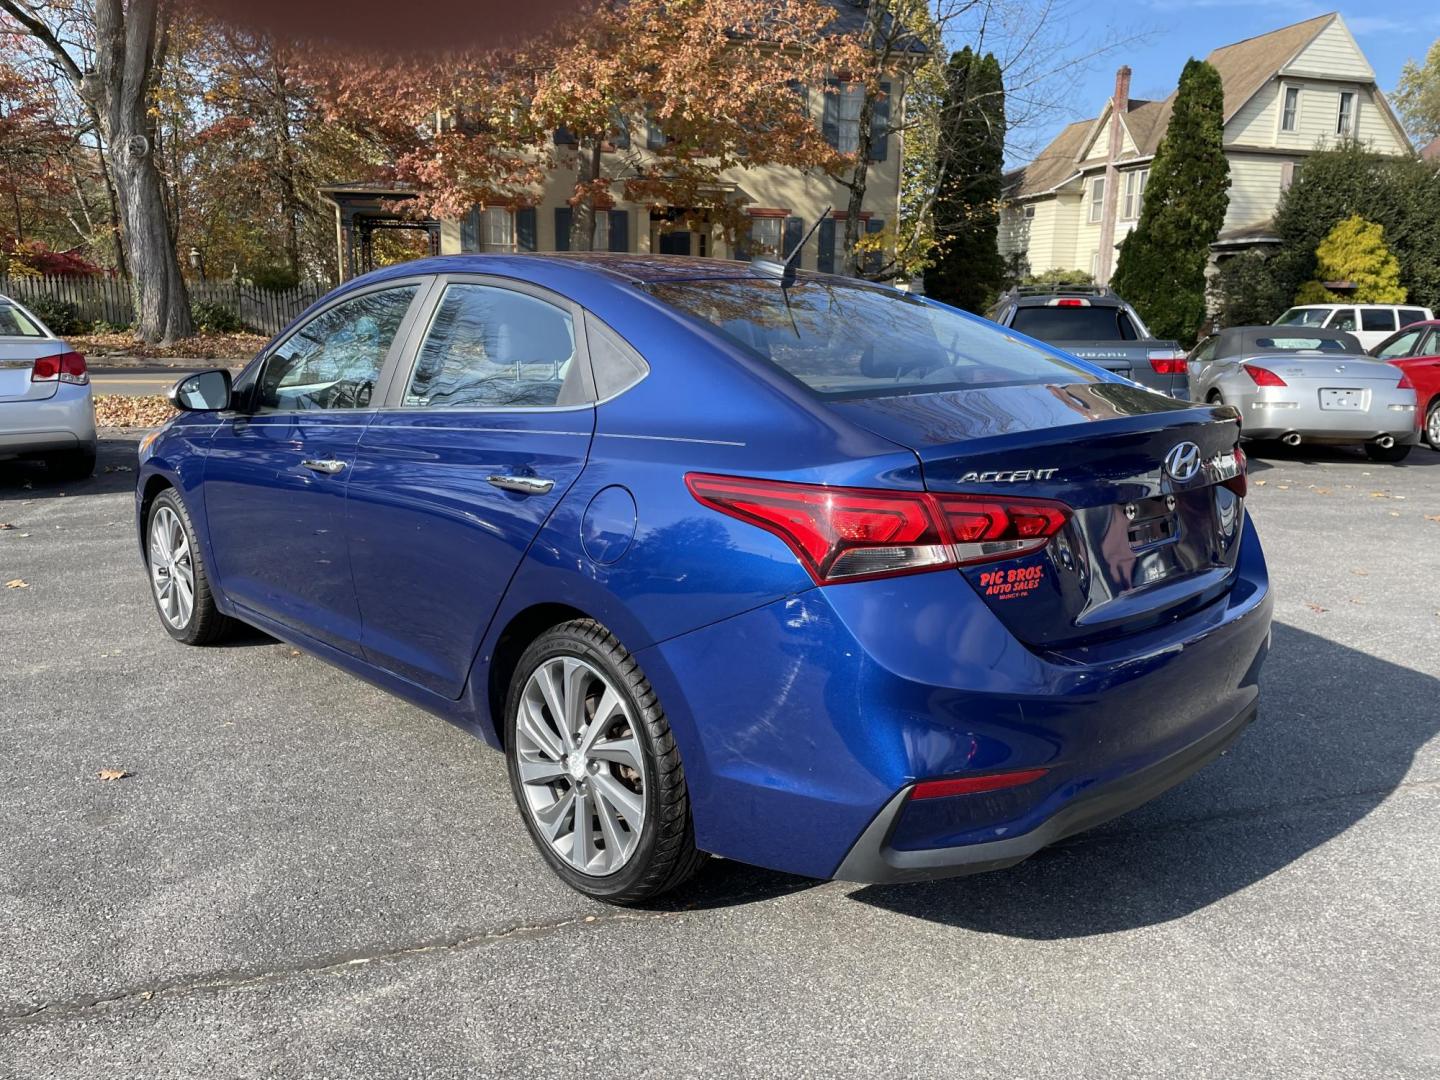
17, 583
1259, 483
1322, 491
112, 774
1360, 573
123, 410
1394, 513
1316, 607
1432, 517
5, 525
1378, 495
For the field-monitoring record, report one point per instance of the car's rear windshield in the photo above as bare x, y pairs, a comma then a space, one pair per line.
855, 341
1302, 344
1303, 316
15, 323
1058, 324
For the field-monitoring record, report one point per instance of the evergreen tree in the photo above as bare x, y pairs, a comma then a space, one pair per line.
969, 270
1161, 269
1355, 251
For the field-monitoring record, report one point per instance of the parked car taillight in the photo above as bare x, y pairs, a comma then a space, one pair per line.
1240, 482
1167, 361
850, 534
1262, 376
67, 367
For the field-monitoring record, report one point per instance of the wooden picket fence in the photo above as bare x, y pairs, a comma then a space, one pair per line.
107, 299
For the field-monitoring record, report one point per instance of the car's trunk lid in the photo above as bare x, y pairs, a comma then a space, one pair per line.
17, 361
1145, 543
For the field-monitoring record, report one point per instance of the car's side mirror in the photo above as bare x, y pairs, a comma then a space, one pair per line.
205, 391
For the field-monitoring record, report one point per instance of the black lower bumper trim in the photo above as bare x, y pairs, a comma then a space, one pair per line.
871, 860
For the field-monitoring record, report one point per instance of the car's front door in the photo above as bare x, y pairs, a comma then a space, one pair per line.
277, 467
481, 438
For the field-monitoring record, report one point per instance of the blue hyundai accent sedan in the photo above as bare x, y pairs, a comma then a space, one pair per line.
790, 569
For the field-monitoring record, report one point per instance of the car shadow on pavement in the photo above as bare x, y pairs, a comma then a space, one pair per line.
1337, 733
1260, 453
115, 466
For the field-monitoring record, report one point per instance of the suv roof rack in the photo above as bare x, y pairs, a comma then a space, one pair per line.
1061, 290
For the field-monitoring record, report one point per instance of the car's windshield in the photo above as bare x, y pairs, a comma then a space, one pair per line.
1303, 316
15, 323
1302, 344
1063, 323
852, 341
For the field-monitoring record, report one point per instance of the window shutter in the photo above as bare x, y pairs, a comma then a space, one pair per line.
619, 230
742, 244
470, 232
880, 125
874, 260
830, 122
826, 262
525, 229
562, 228
564, 137
794, 233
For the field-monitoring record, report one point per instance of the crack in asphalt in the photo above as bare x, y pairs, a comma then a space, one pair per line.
330, 965
339, 963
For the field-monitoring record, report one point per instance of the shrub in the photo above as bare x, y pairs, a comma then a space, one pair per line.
274, 278
1056, 276
1247, 291
1355, 251
212, 317
61, 316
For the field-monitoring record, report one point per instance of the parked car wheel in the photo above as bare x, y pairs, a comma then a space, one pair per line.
1432, 424
72, 465
594, 767
179, 583
1376, 452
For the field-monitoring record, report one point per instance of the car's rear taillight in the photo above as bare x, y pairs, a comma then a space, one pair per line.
1239, 483
1262, 376
850, 534
66, 367
1405, 383
1167, 361
1068, 301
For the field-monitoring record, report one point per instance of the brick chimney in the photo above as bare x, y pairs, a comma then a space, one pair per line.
1122, 89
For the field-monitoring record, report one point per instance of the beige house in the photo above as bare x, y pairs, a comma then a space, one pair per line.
1287, 93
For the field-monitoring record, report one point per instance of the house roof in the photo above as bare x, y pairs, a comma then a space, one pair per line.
1431, 150
1244, 68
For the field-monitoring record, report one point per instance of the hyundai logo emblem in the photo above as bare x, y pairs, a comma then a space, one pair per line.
1183, 461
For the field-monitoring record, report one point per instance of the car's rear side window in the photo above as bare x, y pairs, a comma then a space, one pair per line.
1372, 319
1294, 343
1411, 315
15, 323
844, 340
1063, 323
1303, 317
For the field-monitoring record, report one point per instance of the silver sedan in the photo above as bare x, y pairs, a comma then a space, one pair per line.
1304, 384
46, 407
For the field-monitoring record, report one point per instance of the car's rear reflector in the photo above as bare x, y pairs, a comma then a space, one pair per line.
1067, 301
1262, 376
851, 534
974, 785
1167, 361
66, 367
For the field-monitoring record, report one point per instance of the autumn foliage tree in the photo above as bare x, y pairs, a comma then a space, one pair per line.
1354, 251
645, 100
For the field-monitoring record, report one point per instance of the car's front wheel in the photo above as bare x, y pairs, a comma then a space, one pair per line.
1432, 425
179, 582
595, 769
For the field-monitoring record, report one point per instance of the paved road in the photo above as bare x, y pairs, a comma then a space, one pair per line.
303, 877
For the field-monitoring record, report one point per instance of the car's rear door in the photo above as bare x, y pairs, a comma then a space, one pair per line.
482, 434
277, 468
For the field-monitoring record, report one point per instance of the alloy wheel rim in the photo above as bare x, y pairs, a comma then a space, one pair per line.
582, 772
172, 570
1433, 425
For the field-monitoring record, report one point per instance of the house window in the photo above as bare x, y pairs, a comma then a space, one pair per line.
1135, 182
602, 231
766, 236
1029, 212
1345, 122
1097, 198
850, 98
1289, 173
497, 229
1290, 113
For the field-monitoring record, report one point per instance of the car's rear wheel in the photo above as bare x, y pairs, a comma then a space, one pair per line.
71, 465
1432, 424
1388, 454
179, 583
595, 769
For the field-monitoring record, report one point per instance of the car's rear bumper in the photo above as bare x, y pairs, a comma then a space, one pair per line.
63, 421
1270, 413
874, 860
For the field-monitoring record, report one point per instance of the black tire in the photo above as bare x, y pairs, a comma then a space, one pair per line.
206, 624
1387, 455
665, 855
71, 465
1432, 425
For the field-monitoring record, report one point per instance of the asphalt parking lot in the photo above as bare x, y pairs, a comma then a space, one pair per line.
304, 877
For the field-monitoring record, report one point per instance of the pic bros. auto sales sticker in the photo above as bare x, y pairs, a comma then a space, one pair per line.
1012, 583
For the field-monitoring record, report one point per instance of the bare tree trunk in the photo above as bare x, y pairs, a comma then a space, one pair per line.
582, 220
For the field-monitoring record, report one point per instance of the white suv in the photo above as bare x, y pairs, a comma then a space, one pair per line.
1371, 323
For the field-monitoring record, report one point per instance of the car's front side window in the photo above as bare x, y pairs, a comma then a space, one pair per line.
334, 360
1343, 319
1205, 351
495, 348
1400, 345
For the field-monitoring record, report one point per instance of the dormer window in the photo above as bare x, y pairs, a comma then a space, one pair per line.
1345, 122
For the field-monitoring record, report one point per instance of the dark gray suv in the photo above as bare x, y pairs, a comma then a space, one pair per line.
1091, 322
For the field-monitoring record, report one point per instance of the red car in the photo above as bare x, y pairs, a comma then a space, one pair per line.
1416, 351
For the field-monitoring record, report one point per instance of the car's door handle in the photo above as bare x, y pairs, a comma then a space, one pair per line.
525, 485
328, 466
